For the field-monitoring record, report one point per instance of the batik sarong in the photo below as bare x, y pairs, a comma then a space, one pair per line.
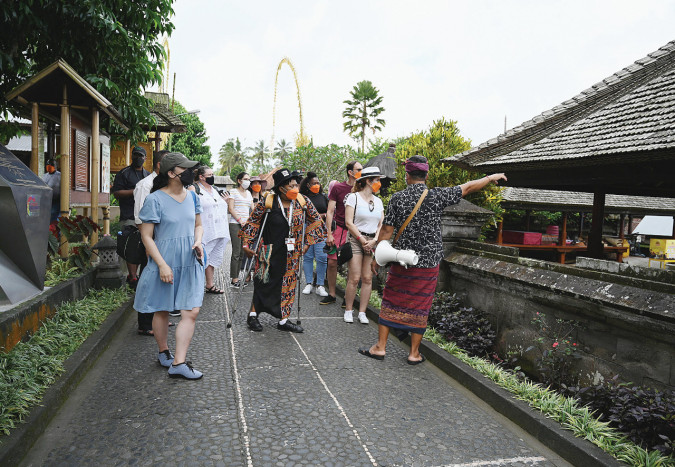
407, 298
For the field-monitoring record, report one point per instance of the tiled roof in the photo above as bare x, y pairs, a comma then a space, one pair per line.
628, 113
552, 200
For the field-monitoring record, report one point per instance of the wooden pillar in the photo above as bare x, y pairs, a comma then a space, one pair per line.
106, 220
127, 152
65, 165
581, 224
158, 141
595, 248
95, 170
630, 224
562, 235
500, 232
35, 139
527, 220
622, 224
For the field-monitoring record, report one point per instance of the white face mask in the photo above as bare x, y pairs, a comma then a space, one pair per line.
245, 184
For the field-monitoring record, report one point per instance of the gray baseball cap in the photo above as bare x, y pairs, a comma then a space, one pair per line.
176, 159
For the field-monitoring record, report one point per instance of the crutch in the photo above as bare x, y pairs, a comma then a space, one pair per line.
247, 268
300, 259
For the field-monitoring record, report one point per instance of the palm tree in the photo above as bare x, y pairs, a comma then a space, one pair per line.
231, 154
362, 111
259, 151
283, 148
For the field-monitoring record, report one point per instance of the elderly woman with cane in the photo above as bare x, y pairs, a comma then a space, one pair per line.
285, 215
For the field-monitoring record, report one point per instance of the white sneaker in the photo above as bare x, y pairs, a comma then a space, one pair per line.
349, 316
362, 318
321, 291
308, 289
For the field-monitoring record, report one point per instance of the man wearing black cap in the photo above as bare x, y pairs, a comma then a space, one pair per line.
123, 189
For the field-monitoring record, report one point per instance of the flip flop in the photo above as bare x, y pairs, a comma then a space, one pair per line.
146, 332
214, 290
417, 362
366, 351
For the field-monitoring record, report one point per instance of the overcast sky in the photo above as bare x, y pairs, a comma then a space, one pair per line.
470, 61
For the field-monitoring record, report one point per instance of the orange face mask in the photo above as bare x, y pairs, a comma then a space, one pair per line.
51, 169
315, 188
292, 193
256, 188
357, 174
376, 186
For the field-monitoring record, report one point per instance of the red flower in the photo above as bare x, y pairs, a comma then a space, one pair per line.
555, 344
575, 344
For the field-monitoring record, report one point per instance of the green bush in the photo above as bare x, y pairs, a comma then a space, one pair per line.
30, 367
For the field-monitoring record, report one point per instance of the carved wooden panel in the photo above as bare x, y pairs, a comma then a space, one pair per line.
81, 165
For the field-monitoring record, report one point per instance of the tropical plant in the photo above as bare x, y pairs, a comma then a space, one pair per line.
328, 162
441, 140
192, 143
236, 170
362, 112
261, 159
31, 367
75, 229
232, 154
283, 149
116, 49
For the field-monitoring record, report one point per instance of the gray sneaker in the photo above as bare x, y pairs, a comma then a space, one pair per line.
165, 358
184, 370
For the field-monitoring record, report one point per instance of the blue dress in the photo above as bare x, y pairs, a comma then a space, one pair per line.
174, 236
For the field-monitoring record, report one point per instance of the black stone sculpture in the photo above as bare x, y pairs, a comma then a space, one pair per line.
25, 202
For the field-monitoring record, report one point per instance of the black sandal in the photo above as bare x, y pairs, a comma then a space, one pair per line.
214, 290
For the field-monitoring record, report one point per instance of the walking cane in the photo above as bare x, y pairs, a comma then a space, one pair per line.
300, 259
247, 268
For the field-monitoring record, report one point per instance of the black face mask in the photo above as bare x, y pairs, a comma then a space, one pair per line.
210, 180
187, 177
138, 161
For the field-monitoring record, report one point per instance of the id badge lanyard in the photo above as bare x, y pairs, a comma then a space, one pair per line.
290, 240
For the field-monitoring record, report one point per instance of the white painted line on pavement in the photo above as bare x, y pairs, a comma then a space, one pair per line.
337, 403
240, 403
526, 460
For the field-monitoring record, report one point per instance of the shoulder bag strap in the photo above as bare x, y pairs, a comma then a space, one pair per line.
412, 214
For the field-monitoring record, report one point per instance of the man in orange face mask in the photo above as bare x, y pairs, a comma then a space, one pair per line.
277, 263
337, 230
52, 178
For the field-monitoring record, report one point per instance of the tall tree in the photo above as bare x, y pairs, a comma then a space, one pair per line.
232, 154
192, 143
283, 149
362, 112
116, 46
259, 159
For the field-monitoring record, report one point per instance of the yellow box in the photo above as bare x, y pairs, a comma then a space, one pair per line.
662, 248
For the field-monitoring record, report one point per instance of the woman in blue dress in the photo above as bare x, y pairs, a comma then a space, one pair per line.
174, 277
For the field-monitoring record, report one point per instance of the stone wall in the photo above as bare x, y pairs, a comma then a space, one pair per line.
627, 315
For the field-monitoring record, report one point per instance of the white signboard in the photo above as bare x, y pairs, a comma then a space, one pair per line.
105, 168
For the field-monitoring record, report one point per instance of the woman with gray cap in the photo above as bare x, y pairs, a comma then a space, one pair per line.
174, 277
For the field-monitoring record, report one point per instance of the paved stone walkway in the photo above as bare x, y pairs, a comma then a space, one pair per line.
277, 399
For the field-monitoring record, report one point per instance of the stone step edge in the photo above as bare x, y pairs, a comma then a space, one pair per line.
15, 446
576, 451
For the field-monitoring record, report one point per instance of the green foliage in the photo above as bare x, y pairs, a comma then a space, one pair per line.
236, 170
59, 270
565, 410
261, 159
328, 162
557, 350
30, 367
362, 112
443, 140
232, 154
282, 149
114, 47
192, 143
75, 229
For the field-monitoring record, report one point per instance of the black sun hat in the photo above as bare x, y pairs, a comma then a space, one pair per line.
282, 176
